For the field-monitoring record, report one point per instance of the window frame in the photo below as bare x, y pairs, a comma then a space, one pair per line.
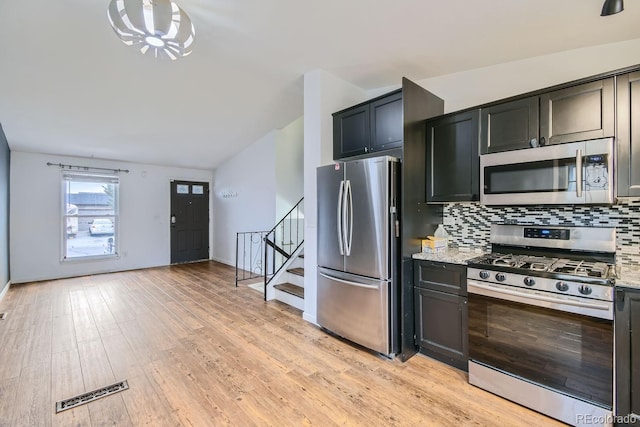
98, 178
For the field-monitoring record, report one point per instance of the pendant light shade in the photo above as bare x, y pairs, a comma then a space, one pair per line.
611, 7
158, 27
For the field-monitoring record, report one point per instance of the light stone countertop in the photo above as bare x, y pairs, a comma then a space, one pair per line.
453, 256
629, 276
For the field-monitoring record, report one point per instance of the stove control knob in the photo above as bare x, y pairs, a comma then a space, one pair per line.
484, 274
585, 290
529, 281
501, 277
562, 286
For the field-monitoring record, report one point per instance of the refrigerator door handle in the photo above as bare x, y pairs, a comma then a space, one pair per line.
348, 282
349, 223
340, 218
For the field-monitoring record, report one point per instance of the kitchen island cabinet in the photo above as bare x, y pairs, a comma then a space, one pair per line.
452, 173
628, 138
440, 295
627, 331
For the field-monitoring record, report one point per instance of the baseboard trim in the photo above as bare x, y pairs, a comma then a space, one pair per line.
309, 318
5, 290
223, 261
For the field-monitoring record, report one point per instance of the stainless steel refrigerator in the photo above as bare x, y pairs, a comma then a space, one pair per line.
358, 234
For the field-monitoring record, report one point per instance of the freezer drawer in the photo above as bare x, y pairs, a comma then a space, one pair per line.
356, 308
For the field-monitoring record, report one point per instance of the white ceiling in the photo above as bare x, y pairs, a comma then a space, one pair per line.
68, 85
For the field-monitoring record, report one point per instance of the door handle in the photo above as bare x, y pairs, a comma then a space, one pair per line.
173, 220
349, 222
340, 218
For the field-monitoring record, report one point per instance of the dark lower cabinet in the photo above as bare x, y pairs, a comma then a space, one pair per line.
441, 318
627, 342
628, 138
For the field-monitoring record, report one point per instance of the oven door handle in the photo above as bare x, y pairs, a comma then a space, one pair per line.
603, 311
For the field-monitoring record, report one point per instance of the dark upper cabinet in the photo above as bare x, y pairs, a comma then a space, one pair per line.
627, 342
386, 122
351, 132
578, 113
510, 126
628, 140
452, 164
370, 127
441, 315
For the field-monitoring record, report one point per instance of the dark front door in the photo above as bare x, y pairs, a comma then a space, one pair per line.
189, 221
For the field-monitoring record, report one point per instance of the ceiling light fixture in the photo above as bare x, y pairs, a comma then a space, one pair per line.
156, 26
611, 7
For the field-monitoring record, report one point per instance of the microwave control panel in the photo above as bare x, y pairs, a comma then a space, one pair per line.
546, 233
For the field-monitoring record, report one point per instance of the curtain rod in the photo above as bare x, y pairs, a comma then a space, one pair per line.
86, 168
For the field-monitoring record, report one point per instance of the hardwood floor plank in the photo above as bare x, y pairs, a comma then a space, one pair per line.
67, 382
85, 326
33, 407
145, 406
12, 355
8, 394
198, 351
97, 373
63, 334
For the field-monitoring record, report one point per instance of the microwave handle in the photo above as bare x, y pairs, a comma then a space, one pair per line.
579, 172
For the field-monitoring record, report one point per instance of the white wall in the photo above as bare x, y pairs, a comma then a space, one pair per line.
36, 215
289, 166
265, 181
474, 87
250, 179
323, 95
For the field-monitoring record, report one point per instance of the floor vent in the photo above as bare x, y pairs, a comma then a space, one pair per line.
91, 396
3, 316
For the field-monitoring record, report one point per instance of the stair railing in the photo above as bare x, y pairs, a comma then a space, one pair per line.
282, 241
249, 255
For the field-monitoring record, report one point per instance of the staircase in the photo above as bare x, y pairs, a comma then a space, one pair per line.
284, 259
289, 287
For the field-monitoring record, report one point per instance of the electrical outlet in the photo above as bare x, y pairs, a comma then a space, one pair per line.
449, 220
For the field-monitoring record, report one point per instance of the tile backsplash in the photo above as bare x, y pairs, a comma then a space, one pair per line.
473, 222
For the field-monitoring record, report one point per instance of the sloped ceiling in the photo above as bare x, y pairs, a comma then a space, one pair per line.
68, 86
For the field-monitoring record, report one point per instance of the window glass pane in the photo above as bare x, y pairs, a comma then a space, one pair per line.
90, 216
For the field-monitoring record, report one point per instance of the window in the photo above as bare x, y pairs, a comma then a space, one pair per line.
90, 215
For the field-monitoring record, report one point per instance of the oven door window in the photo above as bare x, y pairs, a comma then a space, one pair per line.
557, 175
569, 353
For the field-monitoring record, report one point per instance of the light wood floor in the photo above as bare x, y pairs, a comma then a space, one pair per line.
198, 351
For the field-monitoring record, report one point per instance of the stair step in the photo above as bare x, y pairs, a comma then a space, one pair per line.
290, 288
297, 271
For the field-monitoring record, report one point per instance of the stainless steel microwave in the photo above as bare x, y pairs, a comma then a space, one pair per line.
573, 173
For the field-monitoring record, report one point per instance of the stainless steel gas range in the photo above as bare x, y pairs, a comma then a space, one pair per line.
541, 320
